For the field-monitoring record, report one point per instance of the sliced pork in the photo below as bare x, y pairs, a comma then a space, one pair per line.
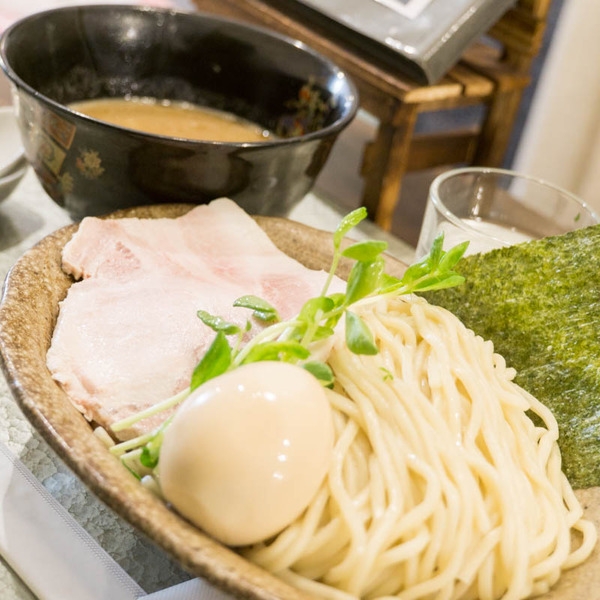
127, 334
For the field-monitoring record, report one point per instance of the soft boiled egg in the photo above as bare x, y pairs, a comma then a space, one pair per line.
247, 451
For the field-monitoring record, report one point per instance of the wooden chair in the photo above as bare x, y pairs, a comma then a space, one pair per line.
493, 73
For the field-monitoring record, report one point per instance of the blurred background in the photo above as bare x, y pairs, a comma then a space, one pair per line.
557, 132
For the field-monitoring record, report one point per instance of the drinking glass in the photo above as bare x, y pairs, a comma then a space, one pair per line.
493, 208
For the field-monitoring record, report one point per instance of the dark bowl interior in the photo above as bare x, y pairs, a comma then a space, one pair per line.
65, 55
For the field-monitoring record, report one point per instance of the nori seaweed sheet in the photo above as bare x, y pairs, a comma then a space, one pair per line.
539, 302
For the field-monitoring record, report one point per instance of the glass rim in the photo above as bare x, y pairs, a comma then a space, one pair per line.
457, 221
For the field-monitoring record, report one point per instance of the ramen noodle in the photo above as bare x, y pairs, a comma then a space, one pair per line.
441, 485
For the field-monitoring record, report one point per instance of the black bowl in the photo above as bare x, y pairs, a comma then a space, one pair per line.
57, 57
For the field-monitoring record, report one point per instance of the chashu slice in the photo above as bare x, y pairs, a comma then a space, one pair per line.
127, 334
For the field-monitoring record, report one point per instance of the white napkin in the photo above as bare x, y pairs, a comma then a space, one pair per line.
56, 557
195, 589
47, 548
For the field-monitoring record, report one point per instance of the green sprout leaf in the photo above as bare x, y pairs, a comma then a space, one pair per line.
262, 309
321, 333
217, 323
433, 272
450, 258
387, 375
322, 371
350, 221
216, 361
438, 283
365, 251
283, 351
364, 279
311, 308
359, 338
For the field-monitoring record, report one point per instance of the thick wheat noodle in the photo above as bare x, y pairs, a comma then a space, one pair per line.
440, 486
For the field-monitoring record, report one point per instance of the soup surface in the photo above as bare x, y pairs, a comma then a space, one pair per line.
173, 119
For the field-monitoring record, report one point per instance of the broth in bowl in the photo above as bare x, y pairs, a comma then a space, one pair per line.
173, 119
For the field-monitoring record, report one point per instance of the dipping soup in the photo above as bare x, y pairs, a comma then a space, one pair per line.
173, 119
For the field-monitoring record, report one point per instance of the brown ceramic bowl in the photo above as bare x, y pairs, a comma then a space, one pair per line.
28, 313
76, 53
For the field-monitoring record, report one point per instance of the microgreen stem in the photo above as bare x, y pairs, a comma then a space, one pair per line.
151, 411
271, 333
334, 265
127, 445
312, 328
347, 223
